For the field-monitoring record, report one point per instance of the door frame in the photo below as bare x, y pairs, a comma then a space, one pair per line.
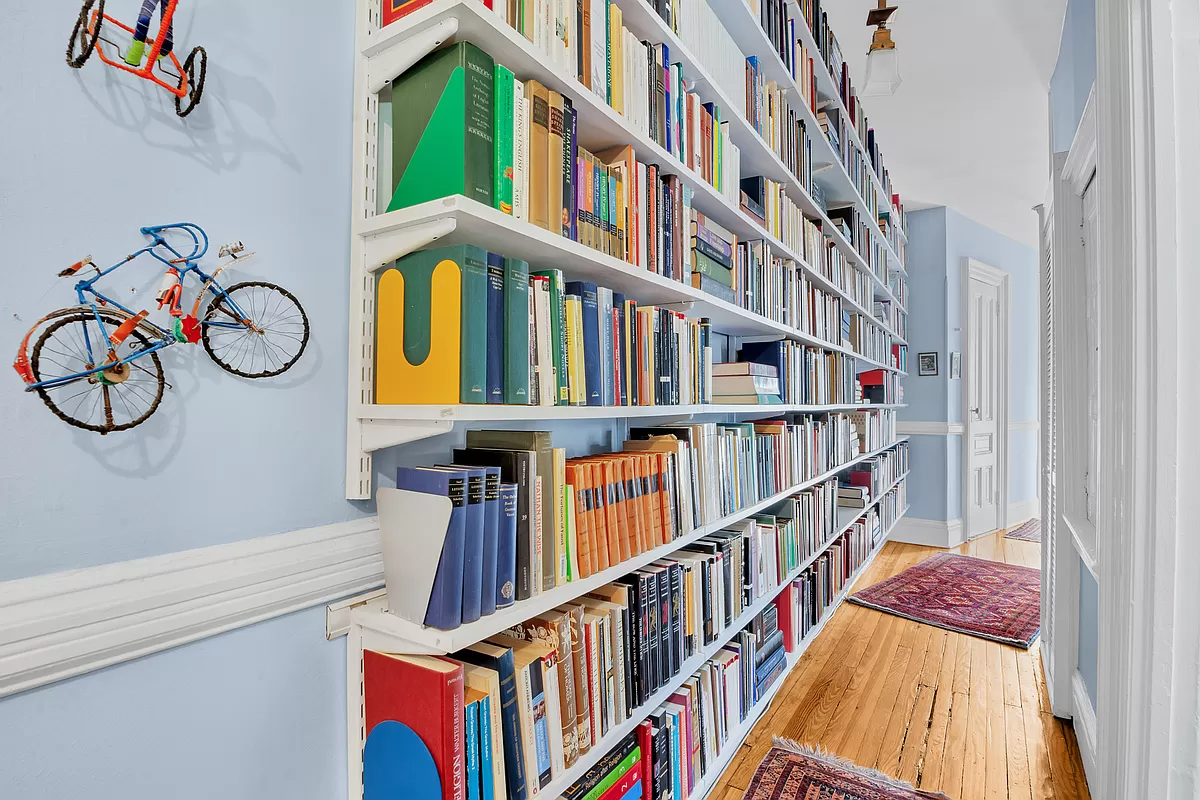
972, 268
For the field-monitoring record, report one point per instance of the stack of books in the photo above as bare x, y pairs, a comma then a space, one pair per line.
746, 382
881, 386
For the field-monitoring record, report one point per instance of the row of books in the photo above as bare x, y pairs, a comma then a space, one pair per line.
889, 314
777, 22
492, 332
880, 386
807, 375
781, 126
854, 161
681, 741
871, 477
893, 231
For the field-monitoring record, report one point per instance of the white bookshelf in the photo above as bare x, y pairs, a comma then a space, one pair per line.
380, 238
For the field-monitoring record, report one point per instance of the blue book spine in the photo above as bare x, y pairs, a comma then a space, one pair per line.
472, 742
487, 783
676, 764
491, 538
592, 379
445, 601
472, 605
669, 130
506, 547
634, 792
541, 727
495, 329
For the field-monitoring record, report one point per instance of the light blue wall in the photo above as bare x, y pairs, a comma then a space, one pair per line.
1074, 73
1089, 626
89, 156
939, 240
254, 714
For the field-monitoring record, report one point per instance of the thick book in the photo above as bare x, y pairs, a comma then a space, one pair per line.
607, 771
502, 138
500, 659
516, 467
704, 265
473, 540
539, 153
554, 629
444, 144
516, 332
491, 729
494, 389
554, 167
426, 694
569, 152
431, 327
593, 383
745, 368
445, 607
539, 442
493, 511
745, 384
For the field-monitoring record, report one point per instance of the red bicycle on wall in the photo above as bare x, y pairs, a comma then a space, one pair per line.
89, 34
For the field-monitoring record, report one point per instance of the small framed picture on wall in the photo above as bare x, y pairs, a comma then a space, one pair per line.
927, 364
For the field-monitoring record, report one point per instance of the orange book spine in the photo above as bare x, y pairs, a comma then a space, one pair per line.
624, 504
583, 521
656, 501
613, 517
600, 506
668, 497
631, 505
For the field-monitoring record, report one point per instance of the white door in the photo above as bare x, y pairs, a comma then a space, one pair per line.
984, 383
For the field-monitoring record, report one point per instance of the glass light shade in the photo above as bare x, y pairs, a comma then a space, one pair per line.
883, 73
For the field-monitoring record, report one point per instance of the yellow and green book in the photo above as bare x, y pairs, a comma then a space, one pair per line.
442, 137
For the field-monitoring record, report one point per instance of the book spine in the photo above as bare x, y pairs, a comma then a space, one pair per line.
495, 328
568, 168
554, 169
520, 138
472, 751
503, 139
491, 540
516, 332
539, 149
473, 369
479, 156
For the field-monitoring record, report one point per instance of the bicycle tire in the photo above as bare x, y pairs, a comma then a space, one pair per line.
195, 82
297, 331
109, 425
75, 61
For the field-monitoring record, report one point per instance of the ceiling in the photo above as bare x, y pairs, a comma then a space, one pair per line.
969, 127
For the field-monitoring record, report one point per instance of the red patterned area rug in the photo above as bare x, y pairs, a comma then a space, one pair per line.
988, 599
794, 772
1028, 532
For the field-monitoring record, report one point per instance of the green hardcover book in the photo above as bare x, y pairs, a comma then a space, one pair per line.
713, 269
516, 332
558, 333
503, 139
442, 140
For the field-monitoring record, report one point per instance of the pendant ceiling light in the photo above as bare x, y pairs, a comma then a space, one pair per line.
883, 64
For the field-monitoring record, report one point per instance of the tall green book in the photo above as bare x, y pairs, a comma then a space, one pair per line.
442, 137
558, 333
516, 332
502, 133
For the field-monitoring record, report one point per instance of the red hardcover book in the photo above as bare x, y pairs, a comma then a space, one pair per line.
624, 783
426, 694
785, 606
872, 377
860, 479
398, 9
645, 734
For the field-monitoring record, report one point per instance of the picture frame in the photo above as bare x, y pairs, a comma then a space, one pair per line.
955, 366
927, 364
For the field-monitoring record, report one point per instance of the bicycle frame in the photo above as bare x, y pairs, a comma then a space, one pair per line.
147, 71
85, 289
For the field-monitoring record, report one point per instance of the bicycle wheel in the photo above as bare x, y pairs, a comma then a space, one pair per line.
195, 67
116, 399
267, 342
83, 35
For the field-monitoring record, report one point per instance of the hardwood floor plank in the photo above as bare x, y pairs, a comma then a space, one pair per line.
997, 757
1019, 787
1038, 752
974, 770
888, 759
916, 737
954, 759
933, 657
939, 722
1012, 679
1062, 771
1028, 663
860, 743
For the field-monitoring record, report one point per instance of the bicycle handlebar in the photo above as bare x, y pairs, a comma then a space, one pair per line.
199, 237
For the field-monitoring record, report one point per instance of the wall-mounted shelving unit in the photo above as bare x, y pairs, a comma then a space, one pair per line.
379, 238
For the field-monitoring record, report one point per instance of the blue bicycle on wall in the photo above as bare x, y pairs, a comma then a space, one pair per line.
96, 364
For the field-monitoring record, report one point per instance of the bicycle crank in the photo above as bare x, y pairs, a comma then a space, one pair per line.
116, 374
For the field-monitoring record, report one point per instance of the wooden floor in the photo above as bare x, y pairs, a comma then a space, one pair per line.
946, 712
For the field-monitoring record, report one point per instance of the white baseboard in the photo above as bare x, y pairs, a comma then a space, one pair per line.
57, 626
928, 532
1085, 729
1022, 511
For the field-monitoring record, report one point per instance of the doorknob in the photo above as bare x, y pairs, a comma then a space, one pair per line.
975, 411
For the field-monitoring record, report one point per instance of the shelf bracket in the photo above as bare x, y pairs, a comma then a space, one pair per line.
380, 433
383, 248
394, 62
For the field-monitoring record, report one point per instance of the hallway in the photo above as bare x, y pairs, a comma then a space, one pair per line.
950, 713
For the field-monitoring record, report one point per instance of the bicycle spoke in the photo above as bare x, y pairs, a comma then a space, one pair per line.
108, 417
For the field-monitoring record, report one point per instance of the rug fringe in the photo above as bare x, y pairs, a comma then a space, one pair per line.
819, 753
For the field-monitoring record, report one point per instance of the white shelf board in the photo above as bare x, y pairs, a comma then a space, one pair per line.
503, 413
372, 634
433, 640
599, 127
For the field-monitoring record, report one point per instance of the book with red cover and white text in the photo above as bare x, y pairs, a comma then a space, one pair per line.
426, 694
